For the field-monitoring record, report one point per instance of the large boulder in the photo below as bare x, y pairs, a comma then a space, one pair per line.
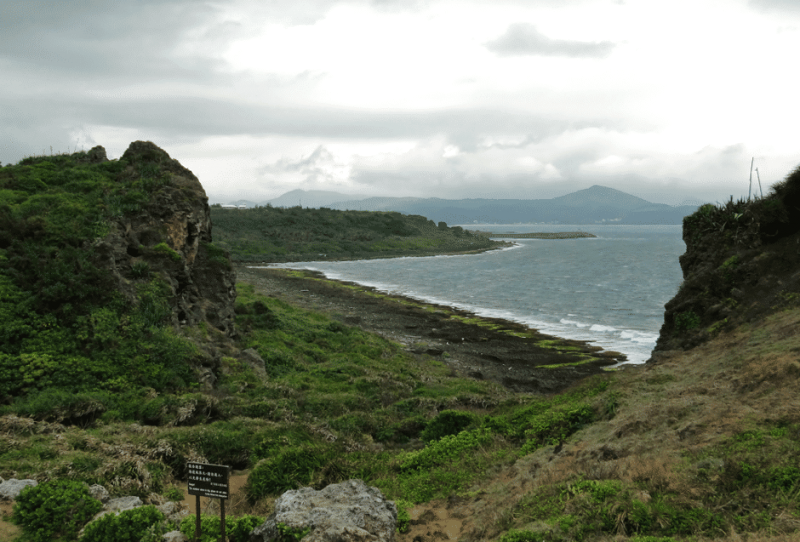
347, 512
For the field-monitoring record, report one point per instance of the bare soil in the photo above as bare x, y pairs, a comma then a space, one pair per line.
511, 354
8, 531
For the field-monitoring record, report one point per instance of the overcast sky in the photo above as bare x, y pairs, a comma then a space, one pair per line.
664, 99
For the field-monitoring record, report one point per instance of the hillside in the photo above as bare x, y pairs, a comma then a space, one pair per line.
118, 373
276, 234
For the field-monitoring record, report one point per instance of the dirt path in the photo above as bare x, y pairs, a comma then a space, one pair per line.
8, 531
483, 348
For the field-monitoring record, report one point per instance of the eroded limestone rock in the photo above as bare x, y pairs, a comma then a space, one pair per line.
347, 512
10, 489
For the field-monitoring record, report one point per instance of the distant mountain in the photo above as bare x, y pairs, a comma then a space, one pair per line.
310, 198
596, 204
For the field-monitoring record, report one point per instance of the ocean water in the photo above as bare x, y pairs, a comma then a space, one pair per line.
609, 290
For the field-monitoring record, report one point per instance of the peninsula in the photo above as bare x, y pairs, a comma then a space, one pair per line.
537, 235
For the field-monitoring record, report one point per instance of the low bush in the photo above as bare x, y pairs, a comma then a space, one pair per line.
236, 529
522, 536
54, 509
447, 422
289, 469
128, 526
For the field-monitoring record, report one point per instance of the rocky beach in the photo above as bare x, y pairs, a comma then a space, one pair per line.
509, 353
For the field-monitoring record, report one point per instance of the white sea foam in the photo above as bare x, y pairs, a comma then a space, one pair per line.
574, 323
602, 329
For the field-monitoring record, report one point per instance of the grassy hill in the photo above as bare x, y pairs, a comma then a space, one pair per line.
277, 234
702, 443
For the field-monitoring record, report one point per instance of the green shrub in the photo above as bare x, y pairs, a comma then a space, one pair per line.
236, 529
403, 517
128, 526
553, 426
239, 530
165, 249
521, 536
289, 469
291, 534
140, 270
447, 450
54, 509
173, 494
447, 422
686, 320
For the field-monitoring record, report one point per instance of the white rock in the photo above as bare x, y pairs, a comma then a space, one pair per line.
10, 489
346, 512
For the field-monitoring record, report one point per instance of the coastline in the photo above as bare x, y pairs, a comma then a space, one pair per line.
309, 257
512, 354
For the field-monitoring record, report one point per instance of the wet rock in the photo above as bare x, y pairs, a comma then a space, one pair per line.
347, 512
10, 489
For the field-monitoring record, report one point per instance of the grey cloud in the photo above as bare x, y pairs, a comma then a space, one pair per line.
525, 39
206, 117
108, 40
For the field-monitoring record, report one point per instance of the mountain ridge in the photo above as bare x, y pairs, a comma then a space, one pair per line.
596, 204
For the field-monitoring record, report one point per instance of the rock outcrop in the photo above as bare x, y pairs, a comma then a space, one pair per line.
742, 262
169, 237
10, 489
347, 512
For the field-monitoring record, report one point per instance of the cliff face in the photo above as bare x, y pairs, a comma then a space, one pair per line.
742, 262
170, 237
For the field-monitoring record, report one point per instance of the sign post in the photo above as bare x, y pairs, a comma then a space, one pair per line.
207, 480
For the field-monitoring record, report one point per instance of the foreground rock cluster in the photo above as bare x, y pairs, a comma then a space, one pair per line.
347, 512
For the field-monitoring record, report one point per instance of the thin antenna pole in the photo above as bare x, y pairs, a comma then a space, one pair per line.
751, 178
759, 183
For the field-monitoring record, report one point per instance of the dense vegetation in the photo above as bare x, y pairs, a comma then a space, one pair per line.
276, 234
339, 403
64, 326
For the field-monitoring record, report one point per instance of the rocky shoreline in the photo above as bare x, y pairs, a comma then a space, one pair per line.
511, 354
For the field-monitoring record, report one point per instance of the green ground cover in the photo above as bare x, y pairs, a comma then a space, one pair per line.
64, 325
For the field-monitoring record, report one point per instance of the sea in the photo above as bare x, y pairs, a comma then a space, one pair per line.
609, 290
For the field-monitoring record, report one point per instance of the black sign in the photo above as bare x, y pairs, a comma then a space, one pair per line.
208, 480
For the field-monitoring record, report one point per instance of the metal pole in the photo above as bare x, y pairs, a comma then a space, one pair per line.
222, 518
751, 177
197, 532
759, 183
